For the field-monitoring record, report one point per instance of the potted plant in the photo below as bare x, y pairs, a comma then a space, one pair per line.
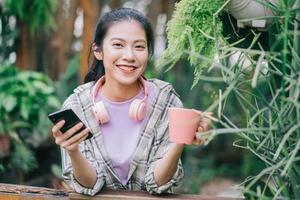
26, 98
193, 32
267, 101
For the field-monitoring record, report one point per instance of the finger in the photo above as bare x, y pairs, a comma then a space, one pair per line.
198, 111
72, 131
205, 119
76, 138
205, 122
197, 142
208, 113
56, 128
204, 125
200, 129
59, 140
74, 145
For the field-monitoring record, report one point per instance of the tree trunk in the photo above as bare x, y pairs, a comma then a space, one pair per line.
153, 12
91, 12
168, 7
59, 50
113, 4
22, 52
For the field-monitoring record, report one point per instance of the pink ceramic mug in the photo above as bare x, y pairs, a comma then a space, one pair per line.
183, 124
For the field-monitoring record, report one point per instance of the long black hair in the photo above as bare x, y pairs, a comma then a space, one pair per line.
96, 70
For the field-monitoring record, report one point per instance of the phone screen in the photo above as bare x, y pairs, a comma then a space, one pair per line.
71, 119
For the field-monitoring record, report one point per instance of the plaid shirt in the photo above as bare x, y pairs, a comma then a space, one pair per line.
152, 145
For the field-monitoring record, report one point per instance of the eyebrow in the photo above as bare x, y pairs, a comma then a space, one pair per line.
139, 40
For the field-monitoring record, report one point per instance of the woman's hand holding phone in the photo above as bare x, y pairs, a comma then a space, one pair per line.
70, 139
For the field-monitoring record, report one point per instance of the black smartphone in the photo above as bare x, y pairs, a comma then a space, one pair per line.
70, 118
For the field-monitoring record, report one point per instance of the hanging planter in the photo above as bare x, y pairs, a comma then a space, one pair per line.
251, 13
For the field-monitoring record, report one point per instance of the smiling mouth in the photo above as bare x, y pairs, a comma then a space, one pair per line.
127, 68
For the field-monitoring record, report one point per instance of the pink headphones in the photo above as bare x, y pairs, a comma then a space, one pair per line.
137, 109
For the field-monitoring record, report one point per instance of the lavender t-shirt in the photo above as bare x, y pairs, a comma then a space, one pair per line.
121, 134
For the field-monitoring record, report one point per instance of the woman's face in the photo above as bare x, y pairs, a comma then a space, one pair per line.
124, 52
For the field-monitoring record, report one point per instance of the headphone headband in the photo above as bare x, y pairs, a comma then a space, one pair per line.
101, 81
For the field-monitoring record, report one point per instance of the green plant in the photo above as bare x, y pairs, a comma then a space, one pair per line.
193, 31
26, 99
7, 35
34, 13
269, 99
68, 80
267, 94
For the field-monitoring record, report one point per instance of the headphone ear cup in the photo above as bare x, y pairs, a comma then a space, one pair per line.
101, 113
137, 110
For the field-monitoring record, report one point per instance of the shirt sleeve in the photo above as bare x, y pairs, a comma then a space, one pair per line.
159, 149
87, 150
67, 172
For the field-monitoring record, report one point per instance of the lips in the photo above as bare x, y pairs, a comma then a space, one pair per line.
127, 68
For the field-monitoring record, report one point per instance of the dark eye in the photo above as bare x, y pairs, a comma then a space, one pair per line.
141, 47
117, 45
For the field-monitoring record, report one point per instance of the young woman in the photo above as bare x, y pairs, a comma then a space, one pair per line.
126, 114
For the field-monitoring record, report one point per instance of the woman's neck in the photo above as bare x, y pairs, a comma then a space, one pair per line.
118, 92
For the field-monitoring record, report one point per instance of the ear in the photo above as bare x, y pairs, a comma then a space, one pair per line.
98, 55
97, 52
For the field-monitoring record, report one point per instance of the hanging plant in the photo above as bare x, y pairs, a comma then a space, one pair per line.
193, 31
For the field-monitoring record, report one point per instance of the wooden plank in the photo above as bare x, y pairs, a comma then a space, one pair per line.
9, 197
21, 192
10, 188
28, 196
140, 195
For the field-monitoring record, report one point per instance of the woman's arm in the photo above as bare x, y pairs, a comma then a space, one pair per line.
167, 166
83, 171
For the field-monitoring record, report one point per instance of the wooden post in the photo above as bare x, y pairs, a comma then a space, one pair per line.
91, 12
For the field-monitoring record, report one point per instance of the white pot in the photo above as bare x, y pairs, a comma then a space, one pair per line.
251, 13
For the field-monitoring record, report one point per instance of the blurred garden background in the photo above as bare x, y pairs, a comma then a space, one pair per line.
243, 68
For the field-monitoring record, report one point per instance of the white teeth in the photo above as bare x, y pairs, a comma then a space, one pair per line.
127, 68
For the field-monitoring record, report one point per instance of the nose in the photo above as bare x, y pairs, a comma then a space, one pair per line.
129, 55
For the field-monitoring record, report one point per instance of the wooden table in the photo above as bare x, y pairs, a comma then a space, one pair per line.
22, 192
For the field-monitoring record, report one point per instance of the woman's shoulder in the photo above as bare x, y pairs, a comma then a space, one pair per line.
163, 86
81, 89
160, 84
84, 87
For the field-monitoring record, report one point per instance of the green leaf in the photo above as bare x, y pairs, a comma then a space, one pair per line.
14, 136
23, 159
294, 179
53, 101
45, 89
20, 124
10, 102
1, 168
25, 109
56, 170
